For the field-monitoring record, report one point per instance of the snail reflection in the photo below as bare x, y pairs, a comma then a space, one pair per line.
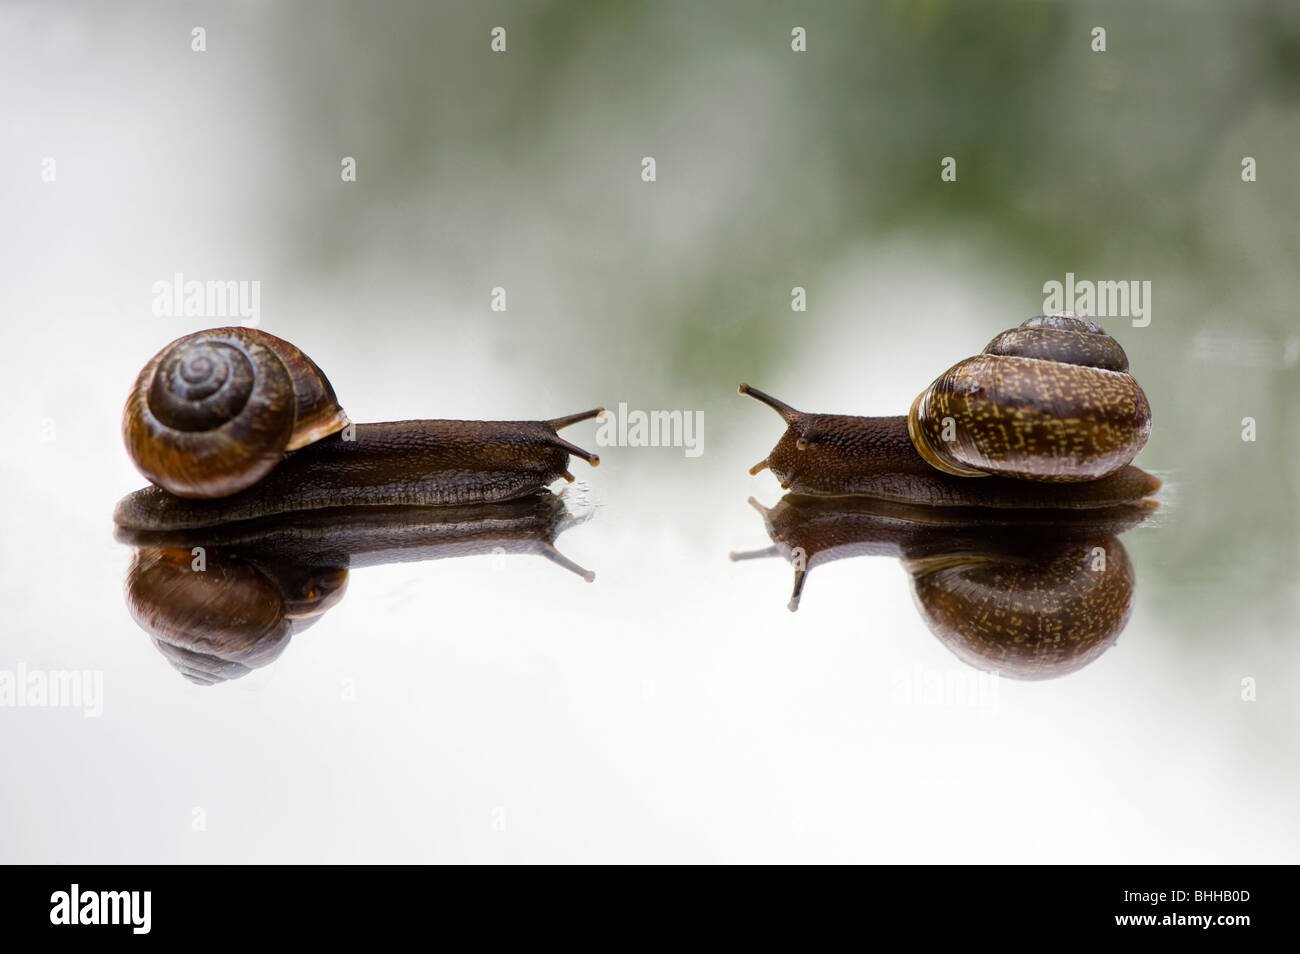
222, 601
1030, 594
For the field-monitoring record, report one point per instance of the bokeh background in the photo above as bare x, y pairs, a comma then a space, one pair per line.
673, 710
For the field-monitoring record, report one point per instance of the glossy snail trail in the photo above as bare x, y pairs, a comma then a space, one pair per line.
235, 424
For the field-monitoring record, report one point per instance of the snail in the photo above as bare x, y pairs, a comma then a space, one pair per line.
236, 424
258, 585
1028, 594
1047, 415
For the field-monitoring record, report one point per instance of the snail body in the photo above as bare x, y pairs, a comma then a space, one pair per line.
842, 455
233, 424
399, 463
1047, 417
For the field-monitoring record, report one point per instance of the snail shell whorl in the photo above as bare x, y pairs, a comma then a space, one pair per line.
1051, 400
213, 412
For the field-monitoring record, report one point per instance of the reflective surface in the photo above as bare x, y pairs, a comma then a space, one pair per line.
1027, 594
501, 709
222, 601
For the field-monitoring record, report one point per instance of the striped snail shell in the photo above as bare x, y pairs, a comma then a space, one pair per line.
1051, 400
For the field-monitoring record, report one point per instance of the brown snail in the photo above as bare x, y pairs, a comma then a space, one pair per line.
235, 424
1047, 416
1030, 594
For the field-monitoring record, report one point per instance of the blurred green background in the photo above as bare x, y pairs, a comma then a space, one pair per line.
778, 169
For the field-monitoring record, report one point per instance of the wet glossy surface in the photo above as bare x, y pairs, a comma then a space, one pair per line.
1026, 594
222, 601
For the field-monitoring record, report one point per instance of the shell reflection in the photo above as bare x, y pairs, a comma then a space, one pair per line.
223, 601
1027, 594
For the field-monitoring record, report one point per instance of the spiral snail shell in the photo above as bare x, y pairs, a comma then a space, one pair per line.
1051, 400
214, 412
